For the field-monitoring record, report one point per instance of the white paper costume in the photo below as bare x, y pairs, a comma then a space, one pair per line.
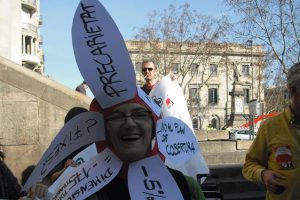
105, 65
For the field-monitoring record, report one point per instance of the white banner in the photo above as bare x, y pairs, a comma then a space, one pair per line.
101, 54
81, 130
89, 177
169, 96
150, 179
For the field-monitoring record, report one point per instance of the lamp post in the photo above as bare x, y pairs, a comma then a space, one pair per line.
252, 113
249, 45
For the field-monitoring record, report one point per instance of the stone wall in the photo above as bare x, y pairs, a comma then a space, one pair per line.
32, 111
218, 149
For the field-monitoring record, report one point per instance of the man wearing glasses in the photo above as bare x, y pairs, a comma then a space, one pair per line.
149, 73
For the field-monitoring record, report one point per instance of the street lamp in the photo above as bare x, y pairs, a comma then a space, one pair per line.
249, 45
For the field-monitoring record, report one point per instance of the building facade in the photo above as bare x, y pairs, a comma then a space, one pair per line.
20, 39
218, 80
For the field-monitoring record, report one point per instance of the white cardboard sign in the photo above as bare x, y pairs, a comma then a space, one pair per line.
81, 130
86, 154
80, 158
101, 54
89, 177
150, 179
169, 96
176, 140
149, 101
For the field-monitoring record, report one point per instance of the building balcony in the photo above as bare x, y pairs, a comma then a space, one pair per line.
31, 59
29, 28
30, 4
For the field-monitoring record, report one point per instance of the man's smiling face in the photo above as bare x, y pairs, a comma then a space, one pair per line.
129, 129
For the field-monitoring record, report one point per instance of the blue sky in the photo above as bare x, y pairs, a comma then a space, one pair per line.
57, 16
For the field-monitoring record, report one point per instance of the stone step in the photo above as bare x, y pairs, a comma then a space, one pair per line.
233, 185
251, 195
239, 185
225, 158
227, 171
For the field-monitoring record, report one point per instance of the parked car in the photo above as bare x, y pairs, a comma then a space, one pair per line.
241, 134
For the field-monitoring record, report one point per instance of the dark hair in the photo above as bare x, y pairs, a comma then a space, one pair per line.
74, 112
84, 82
147, 61
26, 173
2, 155
293, 76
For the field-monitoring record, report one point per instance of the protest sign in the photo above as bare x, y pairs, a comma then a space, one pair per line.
169, 96
81, 130
101, 54
176, 140
88, 178
150, 179
80, 158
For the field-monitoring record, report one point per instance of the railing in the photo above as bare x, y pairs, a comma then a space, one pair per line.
34, 59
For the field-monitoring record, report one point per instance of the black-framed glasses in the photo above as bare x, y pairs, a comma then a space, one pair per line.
145, 69
135, 116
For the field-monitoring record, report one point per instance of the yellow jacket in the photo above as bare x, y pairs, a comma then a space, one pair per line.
276, 147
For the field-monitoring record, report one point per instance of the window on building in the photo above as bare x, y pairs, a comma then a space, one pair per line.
213, 68
34, 46
212, 95
194, 68
195, 123
28, 45
23, 45
193, 95
175, 68
246, 69
214, 123
246, 95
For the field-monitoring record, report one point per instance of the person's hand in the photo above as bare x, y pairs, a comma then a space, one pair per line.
272, 181
40, 190
173, 76
70, 162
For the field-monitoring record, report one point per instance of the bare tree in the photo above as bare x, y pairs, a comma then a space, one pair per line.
276, 25
183, 40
